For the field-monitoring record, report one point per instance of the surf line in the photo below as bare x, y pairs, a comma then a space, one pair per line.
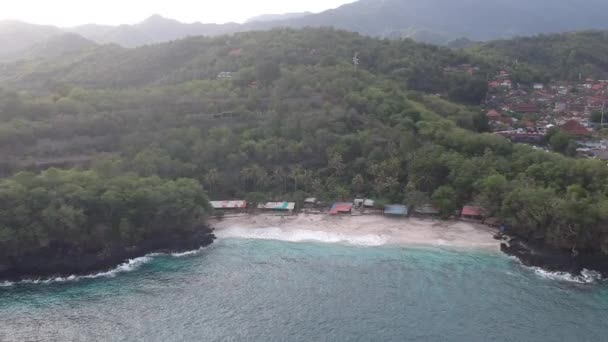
128, 266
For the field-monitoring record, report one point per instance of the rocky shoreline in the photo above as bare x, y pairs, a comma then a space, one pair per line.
536, 254
49, 263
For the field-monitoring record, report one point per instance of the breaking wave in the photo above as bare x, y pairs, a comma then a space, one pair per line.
301, 235
586, 276
128, 266
186, 254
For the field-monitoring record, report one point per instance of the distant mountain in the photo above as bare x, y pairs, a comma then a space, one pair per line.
276, 17
59, 46
561, 56
453, 19
155, 29
17, 37
433, 21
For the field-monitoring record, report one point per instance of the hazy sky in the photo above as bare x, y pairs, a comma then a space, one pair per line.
76, 12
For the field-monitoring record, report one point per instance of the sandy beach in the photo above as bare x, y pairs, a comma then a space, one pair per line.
370, 230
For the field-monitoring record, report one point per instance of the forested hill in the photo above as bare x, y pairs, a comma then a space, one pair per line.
556, 56
419, 66
440, 21
432, 21
296, 118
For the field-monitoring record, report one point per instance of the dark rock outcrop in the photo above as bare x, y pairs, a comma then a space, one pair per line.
537, 254
50, 262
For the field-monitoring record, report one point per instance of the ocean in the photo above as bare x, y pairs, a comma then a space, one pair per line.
269, 290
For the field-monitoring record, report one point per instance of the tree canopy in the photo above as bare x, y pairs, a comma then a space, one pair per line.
296, 119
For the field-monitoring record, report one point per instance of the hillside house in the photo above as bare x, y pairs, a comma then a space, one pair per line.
341, 208
278, 206
396, 210
575, 128
225, 75
472, 213
526, 108
236, 205
427, 210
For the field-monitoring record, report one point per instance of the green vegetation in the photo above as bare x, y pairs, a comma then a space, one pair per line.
566, 56
297, 119
72, 213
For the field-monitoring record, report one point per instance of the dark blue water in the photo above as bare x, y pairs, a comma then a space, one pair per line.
254, 290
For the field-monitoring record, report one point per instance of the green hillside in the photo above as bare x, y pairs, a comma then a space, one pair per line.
296, 119
566, 56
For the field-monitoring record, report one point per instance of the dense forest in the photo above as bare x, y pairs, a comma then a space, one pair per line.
564, 56
48, 221
296, 118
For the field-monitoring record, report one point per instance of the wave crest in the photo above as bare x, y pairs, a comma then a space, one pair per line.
128, 266
586, 276
301, 235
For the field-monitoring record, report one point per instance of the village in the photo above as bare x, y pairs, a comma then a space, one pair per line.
527, 114
358, 207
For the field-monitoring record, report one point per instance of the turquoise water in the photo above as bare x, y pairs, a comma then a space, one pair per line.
255, 290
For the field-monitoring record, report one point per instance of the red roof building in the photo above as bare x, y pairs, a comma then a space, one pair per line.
575, 128
506, 120
494, 84
526, 108
235, 53
473, 213
341, 208
493, 115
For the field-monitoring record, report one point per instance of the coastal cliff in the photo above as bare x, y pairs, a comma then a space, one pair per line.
538, 254
55, 261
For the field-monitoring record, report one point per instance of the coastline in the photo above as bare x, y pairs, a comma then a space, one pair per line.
377, 230
49, 265
361, 230
368, 230
538, 255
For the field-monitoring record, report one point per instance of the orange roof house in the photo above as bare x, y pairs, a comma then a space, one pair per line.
575, 128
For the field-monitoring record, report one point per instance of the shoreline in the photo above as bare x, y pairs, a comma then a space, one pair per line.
378, 230
45, 267
370, 230
360, 230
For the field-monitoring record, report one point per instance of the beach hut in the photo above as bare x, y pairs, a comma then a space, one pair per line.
229, 205
472, 213
397, 210
363, 203
341, 208
310, 202
278, 206
427, 210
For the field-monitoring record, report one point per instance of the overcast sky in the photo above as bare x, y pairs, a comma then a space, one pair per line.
77, 12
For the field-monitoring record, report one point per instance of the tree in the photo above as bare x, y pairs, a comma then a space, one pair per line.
561, 142
358, 184
267, 72
491, 192
481, 123
596, 117
446, 199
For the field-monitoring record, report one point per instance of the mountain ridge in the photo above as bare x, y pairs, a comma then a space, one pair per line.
439, 22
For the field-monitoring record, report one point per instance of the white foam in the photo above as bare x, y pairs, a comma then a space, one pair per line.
128, 266
186, 254
586, 276
302, 235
